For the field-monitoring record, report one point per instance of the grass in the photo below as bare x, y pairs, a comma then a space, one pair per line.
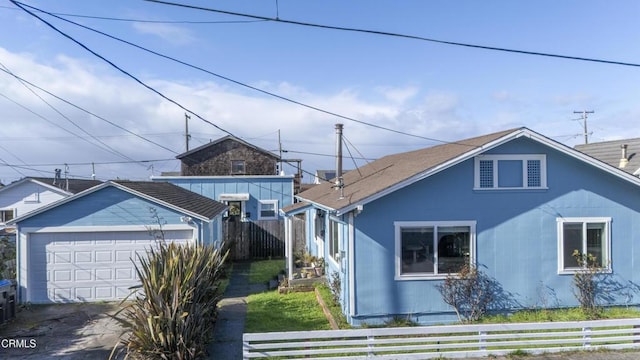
264, 270
334, 308
271, 311
556, 315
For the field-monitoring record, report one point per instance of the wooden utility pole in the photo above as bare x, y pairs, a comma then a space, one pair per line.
584, 123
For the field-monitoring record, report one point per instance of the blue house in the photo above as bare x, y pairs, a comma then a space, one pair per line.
83, 247
515, 204
249, 197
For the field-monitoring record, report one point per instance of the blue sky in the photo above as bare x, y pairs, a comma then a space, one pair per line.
427, 89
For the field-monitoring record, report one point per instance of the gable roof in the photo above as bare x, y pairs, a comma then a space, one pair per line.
611, 153
162, 193
222, 139
396, 171
60, 185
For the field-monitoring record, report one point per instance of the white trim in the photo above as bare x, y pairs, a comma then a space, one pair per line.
328, 234
233, 197
104, 228
584, 220
351, 265
275, 209
398, 225
524, 158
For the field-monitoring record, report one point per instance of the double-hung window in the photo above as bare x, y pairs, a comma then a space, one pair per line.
267, 209
590, 237
499, 172
237, 167
427, 249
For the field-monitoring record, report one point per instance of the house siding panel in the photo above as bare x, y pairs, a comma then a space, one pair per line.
108, 206
516, 235
268, 188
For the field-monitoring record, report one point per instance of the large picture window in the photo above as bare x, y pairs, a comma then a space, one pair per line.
433, 249
588, 236
499, 172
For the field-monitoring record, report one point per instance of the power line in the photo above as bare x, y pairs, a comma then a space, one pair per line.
315, 108
88, 112
20, 5
386, 33
109, 148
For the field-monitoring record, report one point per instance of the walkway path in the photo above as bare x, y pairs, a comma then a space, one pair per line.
227, 343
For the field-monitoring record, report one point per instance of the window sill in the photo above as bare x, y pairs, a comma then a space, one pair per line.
575, 271
537, 189
419, 277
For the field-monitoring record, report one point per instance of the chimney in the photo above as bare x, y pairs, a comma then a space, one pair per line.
56, 179
624, 160
339, 183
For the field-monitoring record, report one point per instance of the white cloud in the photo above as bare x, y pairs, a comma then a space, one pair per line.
171, 33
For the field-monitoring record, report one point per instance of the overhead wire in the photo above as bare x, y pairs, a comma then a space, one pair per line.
387, 33
105, 146
112, 64
90, 113
299, 103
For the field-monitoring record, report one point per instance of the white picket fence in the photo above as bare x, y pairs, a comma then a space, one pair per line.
451, 341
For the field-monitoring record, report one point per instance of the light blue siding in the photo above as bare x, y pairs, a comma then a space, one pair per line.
267, 188
111, 206
516, 236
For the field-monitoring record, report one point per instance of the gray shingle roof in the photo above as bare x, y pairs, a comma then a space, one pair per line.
176, 196
610, 152
390, 171
75, 185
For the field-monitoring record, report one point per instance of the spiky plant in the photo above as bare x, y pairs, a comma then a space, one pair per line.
173, 315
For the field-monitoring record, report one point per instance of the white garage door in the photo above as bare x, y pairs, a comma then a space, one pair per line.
87, 266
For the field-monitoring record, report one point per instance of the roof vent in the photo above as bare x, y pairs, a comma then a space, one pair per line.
624, 159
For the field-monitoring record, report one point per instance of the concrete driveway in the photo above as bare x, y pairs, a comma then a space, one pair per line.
62, 331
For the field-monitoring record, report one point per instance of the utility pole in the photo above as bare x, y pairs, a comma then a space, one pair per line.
186, 130
280, 154
584, 123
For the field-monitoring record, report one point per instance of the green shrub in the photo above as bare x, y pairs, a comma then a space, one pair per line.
173, 317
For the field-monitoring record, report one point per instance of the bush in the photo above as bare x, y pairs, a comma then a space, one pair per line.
585, 283
7, 259
470, 292
173, 317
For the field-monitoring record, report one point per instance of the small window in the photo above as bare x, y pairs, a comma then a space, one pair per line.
499, 172
334, 240
268, 209
6, 215
237, 167
433, 249
587, 236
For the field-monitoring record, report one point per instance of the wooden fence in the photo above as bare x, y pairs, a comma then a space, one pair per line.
452, 341
263, 239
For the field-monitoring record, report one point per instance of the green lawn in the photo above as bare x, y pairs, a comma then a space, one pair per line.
270, 311
555, 315
264, 270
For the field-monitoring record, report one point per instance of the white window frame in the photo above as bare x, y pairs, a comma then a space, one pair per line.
334, 254
525, 180
584, 220
13, 211
268, 202
399, 225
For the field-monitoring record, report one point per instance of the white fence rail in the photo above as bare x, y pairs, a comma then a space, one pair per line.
444, 341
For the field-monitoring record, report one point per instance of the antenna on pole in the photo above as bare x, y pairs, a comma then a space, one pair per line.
186, 130
584, 123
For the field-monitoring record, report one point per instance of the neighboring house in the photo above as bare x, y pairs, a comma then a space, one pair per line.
515, 203
239, 174
248, 197
623, 154
30, 193
228, 156
82, 248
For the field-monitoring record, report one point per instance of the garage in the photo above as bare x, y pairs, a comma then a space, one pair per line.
88, 266
80, 248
